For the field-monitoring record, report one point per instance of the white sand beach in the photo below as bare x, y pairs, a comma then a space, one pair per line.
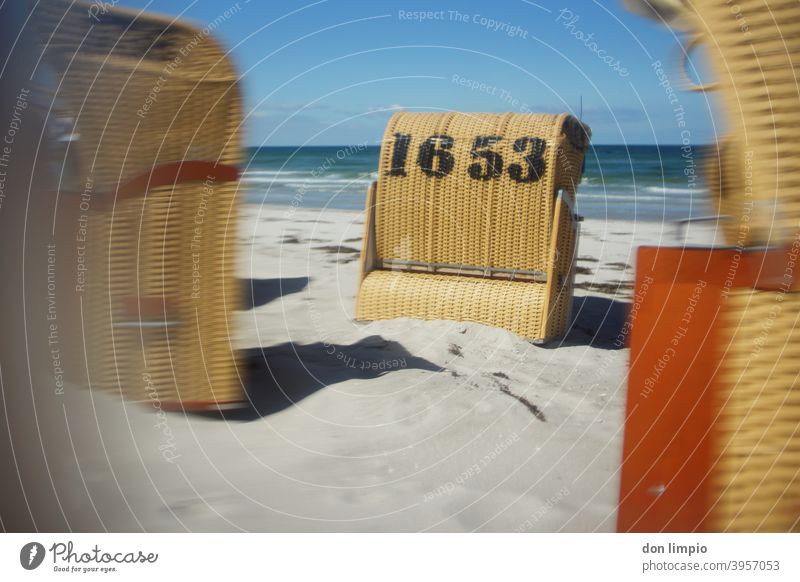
397, 425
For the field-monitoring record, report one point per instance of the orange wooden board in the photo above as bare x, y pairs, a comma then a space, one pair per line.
666, 458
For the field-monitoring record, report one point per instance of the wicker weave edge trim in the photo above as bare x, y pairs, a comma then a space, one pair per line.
170, 174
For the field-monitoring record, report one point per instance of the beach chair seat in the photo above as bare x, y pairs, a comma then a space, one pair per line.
149, 113
507, 304
472, 219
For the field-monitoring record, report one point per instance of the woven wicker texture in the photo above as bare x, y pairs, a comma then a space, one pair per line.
143, 92
754, 51
724, 179
757, 435
476, 191
516, 306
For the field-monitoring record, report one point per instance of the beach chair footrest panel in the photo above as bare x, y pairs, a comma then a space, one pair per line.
517, 306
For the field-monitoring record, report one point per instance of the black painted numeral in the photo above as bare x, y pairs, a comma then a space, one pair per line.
534, 160
399, 154
436, 147
494, 161
436, 160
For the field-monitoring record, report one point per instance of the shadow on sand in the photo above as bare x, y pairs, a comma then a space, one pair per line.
278, 377
262, 291
597, 322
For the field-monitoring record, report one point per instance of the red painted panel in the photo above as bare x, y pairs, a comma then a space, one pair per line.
675, 357
666, 460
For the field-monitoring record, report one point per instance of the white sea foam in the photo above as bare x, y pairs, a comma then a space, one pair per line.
630, 198
249, 172
684, 191
308, 182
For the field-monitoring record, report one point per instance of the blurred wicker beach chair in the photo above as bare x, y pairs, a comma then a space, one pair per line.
147, 203
712, 437
472, 219
754, 55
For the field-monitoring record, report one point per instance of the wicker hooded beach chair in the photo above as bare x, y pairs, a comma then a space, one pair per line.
148, 115
754, 53
712, 437
472, 219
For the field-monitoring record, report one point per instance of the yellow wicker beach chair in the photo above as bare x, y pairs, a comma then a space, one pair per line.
149, 112
715, 392
472, 219
754, 54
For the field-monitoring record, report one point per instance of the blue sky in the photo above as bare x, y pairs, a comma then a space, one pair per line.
330, 72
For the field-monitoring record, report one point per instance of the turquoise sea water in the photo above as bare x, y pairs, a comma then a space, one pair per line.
620, 182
